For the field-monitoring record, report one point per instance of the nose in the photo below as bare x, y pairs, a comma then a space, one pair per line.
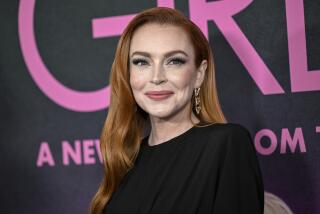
158, 75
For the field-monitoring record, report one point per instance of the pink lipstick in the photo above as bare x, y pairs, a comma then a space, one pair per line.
159, 95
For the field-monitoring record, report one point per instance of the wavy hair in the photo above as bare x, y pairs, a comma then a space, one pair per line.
126, 122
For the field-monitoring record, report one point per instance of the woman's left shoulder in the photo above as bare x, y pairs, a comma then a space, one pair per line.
224, 129
229, 126
232, 135
238, 130
238, 146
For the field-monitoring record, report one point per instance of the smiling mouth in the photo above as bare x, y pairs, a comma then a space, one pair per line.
159, 95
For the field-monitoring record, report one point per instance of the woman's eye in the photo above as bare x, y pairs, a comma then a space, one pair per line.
139, 62
176, 61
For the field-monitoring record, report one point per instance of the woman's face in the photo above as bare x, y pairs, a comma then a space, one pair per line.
163, 74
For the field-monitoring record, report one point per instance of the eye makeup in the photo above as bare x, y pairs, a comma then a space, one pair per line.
175, 60
139, 60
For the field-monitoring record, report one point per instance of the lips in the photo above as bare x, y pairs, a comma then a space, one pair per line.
159, 95
158, 92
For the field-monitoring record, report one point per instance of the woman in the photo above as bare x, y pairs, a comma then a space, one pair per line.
191, 161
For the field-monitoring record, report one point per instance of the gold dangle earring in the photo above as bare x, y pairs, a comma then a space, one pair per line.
197, 100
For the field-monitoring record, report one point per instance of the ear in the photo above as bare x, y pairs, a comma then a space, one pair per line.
201, 71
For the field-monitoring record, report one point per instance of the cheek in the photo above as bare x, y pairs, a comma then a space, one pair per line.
137, 81
183, 79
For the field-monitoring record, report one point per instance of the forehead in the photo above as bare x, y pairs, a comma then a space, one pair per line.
158, 39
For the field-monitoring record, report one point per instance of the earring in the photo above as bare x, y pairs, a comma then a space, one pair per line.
197, 100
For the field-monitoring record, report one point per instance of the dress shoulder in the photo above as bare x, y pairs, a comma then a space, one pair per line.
240, 140
224, 127
223, 131
240, 185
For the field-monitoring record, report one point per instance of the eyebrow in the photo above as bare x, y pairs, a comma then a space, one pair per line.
146, 54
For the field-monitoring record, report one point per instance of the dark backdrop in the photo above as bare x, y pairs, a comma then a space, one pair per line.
55, 58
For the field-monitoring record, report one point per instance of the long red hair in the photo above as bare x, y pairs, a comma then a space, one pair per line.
126, 121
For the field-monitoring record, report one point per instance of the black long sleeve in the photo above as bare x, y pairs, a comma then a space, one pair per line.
240, 187
205, 170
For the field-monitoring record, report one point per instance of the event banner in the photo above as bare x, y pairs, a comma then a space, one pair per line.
55, 60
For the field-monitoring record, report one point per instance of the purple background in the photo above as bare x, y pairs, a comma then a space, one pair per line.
64, 37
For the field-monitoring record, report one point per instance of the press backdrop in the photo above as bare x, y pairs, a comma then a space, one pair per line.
55, 59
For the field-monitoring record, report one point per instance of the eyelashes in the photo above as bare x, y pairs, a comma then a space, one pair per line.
176, 61
137, 61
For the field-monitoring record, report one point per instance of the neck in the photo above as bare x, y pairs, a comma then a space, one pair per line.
165, 129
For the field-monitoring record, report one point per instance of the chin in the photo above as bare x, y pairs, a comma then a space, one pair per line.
160, 114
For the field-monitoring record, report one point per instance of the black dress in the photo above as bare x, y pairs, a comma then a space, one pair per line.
205, 170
